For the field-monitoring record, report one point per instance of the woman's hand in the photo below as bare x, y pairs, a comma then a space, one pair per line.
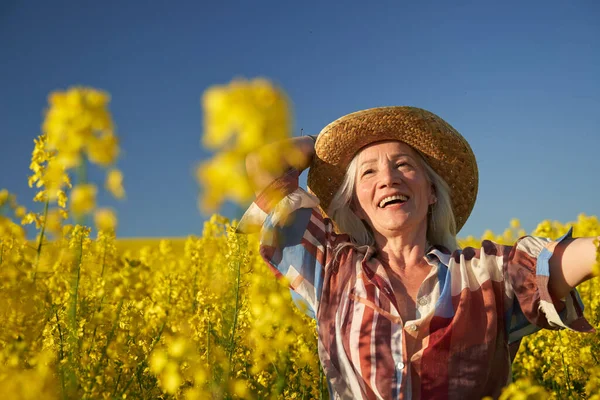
273, 159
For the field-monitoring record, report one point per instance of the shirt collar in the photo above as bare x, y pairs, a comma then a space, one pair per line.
439, 252
433, 252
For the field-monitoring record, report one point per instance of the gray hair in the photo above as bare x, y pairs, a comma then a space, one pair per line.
441, 224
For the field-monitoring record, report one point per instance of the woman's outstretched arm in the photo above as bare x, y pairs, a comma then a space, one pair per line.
571, 264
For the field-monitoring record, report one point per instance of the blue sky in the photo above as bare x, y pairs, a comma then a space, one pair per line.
520, 80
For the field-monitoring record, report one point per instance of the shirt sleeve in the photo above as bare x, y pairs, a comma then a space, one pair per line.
295, 239
527, 274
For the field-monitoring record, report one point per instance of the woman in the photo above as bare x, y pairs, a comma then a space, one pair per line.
401, 311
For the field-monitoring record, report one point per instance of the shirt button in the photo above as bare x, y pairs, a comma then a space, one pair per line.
412, 327
423, 301
400, 365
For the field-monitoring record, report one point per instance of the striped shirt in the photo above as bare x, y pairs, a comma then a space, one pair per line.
470, 307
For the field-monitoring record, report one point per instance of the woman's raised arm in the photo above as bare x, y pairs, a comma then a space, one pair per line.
273, 159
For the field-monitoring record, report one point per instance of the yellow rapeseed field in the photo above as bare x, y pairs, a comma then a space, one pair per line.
92, 316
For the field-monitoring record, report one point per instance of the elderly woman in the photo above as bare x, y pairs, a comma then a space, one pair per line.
403, 312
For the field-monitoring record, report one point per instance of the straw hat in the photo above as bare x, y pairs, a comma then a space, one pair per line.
446, 151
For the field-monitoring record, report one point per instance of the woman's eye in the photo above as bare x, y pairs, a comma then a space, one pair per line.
367, 171
401, 164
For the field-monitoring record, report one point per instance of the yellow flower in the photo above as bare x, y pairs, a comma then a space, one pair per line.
223, 178
240, 388
3, 196
30, 218
239, 118
20, 212
61, 198
78, 124
105, 219
54, 179
103, 150
54, 221
171, 379
245, 115
83, 198
158, 361
114, 183
177, 347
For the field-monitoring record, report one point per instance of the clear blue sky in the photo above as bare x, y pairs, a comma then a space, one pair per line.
520, 80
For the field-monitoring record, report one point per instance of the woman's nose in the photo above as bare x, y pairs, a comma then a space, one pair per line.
389, 177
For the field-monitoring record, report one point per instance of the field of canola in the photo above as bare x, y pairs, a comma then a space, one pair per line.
87, 315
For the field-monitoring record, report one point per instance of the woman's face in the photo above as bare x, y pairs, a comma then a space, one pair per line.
392, 189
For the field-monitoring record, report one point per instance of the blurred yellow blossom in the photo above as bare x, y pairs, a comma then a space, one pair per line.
223, 178
114, 183
239, 118
20, 212
515, 223
105, 219
158, 361
54, 221
170, 378
83, 198
79, 124
244, 115
103, 150
3, 196
524, 389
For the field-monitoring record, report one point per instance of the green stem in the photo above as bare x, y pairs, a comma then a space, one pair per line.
81, 173
145, 361
566, 367
60, 336
75, 290
194, 289
61, 354
104, 351
73, 339
103, 258
41, 239
101, 300
117, 383
235, 315
208, 344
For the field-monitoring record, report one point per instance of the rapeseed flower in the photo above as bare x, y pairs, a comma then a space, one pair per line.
105, 219
83, 198
239, 118
114, 183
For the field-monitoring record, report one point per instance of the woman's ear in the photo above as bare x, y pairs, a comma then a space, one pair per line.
432, 195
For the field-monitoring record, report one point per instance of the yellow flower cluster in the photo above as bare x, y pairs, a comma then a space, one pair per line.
239, 118
78, 124
77, 129
9, 229
204, 318
205, 321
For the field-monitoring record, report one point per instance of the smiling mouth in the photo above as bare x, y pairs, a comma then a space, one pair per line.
396, 199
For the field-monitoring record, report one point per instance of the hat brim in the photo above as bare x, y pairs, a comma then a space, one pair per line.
444, 149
